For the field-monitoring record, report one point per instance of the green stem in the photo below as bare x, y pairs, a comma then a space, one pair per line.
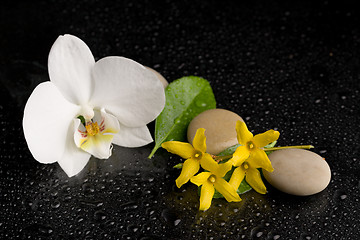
178, 166
288, 147
153, 151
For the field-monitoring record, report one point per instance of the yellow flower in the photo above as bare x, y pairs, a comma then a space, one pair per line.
195, 154
250, 156
214, 180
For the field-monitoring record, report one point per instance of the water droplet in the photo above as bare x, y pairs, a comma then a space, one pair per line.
88, 188
177, 121
129, 206
55, 204
99, 216
200, 103
256, 232
177, 221
45, 229
170, 217
132, 228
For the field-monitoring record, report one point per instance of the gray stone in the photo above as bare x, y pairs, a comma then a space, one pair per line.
159, 76
219, 125
298, 172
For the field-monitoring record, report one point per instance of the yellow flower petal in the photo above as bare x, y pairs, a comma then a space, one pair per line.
263, 139
240, 155
259, 159
189, 169
253, 178
199, 141
184, 150
243, 134
223, 168
237, 177
201, 178
207, 193
226, 190
208, 163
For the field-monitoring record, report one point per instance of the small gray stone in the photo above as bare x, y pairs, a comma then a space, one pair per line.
220, 131
298, 172
159, 76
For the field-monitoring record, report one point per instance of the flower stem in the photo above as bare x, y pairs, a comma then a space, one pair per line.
222, 158
288, 147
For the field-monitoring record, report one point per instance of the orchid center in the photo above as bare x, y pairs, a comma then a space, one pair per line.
92, 128
198, 155
212, 179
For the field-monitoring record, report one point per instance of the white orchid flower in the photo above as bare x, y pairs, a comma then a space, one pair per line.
115, 97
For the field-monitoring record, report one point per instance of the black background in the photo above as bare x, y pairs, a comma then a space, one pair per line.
291, 66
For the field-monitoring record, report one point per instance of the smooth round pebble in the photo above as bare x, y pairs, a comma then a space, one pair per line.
298, 172
160, 77
220, 131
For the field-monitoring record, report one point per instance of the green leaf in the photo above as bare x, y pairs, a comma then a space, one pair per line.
271, 145
185, 99
244, 187
229, 150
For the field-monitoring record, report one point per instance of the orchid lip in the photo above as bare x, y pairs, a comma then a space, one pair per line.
96, 136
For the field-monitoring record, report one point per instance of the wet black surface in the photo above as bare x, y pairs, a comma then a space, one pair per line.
294, 67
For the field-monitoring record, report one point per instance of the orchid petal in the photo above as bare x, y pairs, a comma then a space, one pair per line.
107, 122
132, 137
243, 134
206, 195
259, 159
263, 139
237, 177
240, 155
74, 159
70, 63
184, 150
189, 169
253, 178
127, 90
199, 141
47, 118
226, 190
201, 178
